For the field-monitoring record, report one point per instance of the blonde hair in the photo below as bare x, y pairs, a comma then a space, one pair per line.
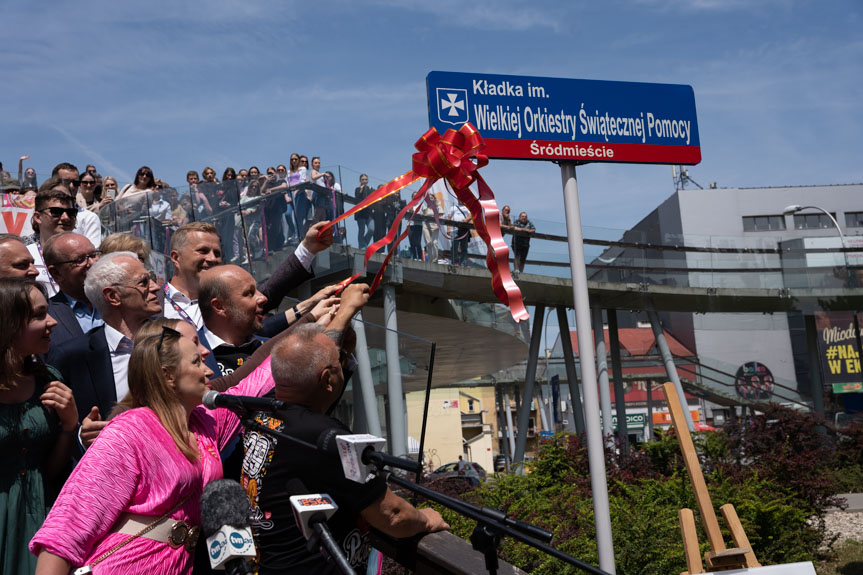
126, 243
178, 240
149, 388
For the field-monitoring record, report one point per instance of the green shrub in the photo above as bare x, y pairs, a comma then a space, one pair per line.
777, 470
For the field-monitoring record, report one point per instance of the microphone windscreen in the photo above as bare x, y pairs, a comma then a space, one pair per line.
224, 502
209, 399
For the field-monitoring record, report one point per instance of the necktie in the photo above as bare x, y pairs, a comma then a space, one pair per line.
124, 347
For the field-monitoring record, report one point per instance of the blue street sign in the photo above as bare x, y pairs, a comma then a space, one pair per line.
526, 117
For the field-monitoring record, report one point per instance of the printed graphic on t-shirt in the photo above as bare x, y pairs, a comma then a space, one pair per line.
259, 449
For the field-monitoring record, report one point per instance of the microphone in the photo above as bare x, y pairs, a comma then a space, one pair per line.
242, 403
351, 449
311, 513
359, 452
309, 509
225, 523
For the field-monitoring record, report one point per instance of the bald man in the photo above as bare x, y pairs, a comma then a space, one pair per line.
15, 260
308, 377
232, 308
68, 258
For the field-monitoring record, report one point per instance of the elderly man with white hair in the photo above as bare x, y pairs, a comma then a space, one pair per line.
96, 366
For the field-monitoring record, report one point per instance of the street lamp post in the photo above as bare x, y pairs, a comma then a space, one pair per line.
794, 208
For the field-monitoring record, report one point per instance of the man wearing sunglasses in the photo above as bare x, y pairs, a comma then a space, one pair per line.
54, 212
68, 257
88, 222
96, 366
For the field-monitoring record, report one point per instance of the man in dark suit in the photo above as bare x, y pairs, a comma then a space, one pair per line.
96, 366
365, 225
68, 257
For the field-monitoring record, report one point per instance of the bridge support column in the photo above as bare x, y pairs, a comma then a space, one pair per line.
397, 432
501, 426
529, 380
571, 376
359, 424
815, 385
650, 409
364, 385
508, 414
670, 368
602, 376
617, 369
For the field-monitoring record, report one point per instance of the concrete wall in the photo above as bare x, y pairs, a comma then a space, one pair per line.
443, 432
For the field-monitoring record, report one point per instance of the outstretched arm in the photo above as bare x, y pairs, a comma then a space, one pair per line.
21, 168
398, 518
353, 299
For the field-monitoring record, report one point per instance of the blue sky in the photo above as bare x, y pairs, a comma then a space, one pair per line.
182, 85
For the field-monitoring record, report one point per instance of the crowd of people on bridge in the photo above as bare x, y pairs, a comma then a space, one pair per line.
260, 213
106, 446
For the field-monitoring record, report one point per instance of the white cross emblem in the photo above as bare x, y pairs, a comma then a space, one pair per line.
452, 103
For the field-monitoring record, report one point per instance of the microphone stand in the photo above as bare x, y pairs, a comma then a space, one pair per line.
324, 541
492, 524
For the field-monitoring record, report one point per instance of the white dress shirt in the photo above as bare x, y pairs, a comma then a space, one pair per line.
120, 347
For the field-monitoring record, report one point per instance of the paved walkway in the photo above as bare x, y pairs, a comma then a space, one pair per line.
855, 502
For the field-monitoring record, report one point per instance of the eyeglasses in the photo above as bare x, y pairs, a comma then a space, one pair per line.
57, 213
81, 260
70, 181
143, 283
88, 183
166, 330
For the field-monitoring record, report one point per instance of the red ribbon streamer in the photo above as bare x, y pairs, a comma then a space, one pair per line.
456, 157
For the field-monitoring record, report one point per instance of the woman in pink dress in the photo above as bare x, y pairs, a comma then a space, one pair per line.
149, 462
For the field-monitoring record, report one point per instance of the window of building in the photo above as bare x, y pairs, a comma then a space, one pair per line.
854, 219
813, 222
763, 223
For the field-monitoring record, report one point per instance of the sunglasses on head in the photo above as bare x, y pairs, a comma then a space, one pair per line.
58, 212
166, 330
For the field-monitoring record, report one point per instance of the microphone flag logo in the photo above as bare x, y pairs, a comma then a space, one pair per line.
452, 106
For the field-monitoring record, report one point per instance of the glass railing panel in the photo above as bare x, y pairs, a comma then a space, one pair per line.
256, 222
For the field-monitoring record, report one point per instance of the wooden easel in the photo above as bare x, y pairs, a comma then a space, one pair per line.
719, 558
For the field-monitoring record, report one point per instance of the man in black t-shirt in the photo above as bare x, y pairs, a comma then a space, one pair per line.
308, 376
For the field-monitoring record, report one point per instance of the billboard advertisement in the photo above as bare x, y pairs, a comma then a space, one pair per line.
837, 347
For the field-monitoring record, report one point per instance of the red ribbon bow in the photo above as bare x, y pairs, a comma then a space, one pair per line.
456, 157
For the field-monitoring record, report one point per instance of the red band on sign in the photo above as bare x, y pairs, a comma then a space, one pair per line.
593, 152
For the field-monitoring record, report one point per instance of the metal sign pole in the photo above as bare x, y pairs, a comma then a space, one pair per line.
587, 360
